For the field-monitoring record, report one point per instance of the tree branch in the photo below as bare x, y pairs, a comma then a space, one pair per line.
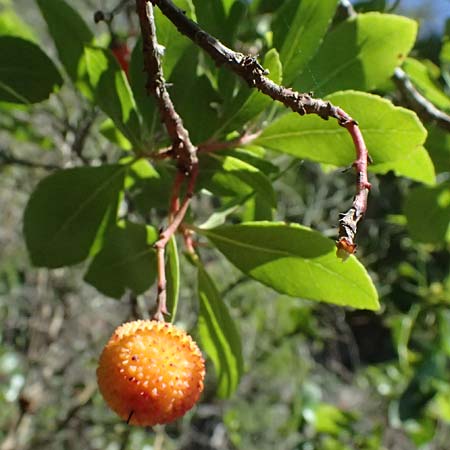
7, 159
182, 150
248, 68
420, 104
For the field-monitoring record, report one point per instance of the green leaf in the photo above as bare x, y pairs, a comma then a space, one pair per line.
296, 261
438, 145
426, 84
428, 213
298, 30
146, 103
394, 136
12, 25
416, 164
149, 187
360, 53
249, 103
227, 175
173, 278
257, 209
219, 216
69, 32
199, 116
219, 335
110, 131
68, 211
27, 74
220, 17
126, 260
169, 37
113, 93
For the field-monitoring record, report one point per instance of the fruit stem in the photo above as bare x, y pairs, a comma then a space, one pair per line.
176, 216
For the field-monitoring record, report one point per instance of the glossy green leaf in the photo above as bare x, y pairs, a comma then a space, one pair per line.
295, 260
68, 211
428, 213
360, 53
113, 93
416, 164
298, 30
426, 84
249, 103
27, 74
126, 261
219, 335
70, 34
12, 25
392, 134
173, 278
228, 175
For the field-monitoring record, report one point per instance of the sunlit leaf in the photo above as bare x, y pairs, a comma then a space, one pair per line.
394, 136
295, 260
113, 93
173, 278
298, 30
360, 53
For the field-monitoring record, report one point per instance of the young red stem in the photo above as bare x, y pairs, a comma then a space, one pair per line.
165, 235
348, 222
175, 197
212, 146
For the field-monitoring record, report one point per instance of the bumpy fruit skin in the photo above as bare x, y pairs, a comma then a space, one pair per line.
150, 372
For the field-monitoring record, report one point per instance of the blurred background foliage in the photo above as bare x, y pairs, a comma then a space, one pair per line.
316, 376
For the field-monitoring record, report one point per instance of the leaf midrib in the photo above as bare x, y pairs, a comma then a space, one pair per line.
82, 205
288, 254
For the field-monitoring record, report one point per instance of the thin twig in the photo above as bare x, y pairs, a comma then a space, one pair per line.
248, 68
348, 222
164, 237
101, 16
182, 149
212, 146
416, 101
179, 216
81, 134
7, 159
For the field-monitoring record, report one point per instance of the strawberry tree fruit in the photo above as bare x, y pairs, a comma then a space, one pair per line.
150, 372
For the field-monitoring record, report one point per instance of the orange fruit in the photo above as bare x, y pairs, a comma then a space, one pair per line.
150, 372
